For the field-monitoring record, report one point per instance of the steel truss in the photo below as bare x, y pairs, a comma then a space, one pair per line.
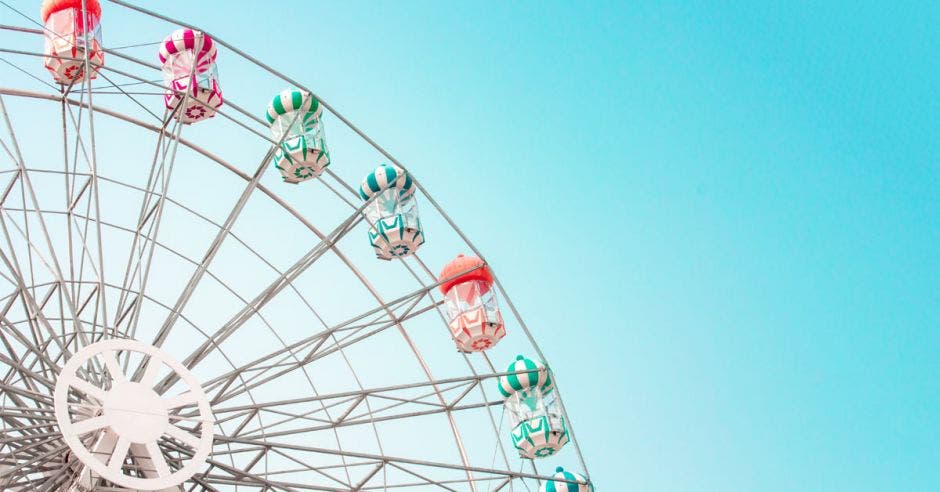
61, 294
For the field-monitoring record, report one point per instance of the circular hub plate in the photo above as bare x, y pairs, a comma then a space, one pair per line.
105, 424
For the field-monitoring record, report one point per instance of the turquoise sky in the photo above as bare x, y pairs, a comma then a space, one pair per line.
720, 218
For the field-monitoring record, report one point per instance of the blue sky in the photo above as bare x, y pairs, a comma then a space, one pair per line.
720, 219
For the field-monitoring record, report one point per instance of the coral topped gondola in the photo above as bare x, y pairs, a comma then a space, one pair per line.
191, 76
70, 37
474, 318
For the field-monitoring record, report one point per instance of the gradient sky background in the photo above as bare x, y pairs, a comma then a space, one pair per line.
721, 219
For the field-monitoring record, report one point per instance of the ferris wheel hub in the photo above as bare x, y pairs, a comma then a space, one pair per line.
107, 416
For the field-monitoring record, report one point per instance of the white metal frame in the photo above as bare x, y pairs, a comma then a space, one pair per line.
40, 354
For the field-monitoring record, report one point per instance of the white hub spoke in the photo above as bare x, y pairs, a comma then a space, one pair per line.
182, 400
150, 373
159, 462
182, 436
88, 388
88, 425
114, 367
119, 455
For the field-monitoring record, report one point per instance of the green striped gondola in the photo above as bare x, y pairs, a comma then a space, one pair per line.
531, 375
295, 119
385, 177
559, 483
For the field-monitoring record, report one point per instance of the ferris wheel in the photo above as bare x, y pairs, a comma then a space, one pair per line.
213, 282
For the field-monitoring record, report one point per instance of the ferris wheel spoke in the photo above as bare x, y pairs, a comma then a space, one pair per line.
85, 254
14, 178
33, 445
315, 352
38, 339
274, 477
422, 477
33, 379
37, 318
89, 425
40, 349
371, 474
20, 410
30, 376
88, 389
73, 197
44, 478
182, 436
159, 461
314, 347
56, 479
37, 461
383, 414
182, 400
387, 403
151, 215
34, 248
119, 454
113, 366
236, 477
261, 300
409, 463
93, 169
120, 88
32, 194
323, 471
150, 372
10, 299
30, 440
213, 249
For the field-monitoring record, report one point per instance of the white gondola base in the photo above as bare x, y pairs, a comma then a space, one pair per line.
392, 238
538, 438
473, 332
198, 106
297, 161
66, 62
